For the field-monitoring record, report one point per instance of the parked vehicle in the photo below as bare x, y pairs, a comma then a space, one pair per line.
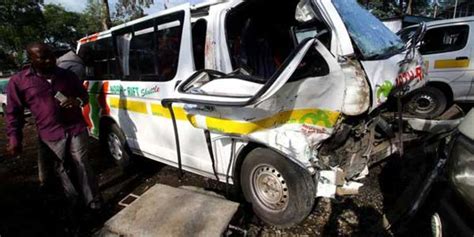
287, 105
447, 49
452, 171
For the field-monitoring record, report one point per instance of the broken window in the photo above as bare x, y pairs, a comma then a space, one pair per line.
199, 29
445, 39
372, 38
260, 43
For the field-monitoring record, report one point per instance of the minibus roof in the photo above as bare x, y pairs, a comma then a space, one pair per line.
108, 32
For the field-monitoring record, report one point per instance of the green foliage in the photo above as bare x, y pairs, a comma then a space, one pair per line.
127, 10
422, 7
26, 21
91, 18
382, 8
61, 27
391, 8
21, 22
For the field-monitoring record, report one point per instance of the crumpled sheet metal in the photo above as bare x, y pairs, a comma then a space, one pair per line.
294, 121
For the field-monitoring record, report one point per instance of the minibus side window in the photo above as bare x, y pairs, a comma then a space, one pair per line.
445, 39
149, 51
142, 55
100, 59
169, 41
101, 63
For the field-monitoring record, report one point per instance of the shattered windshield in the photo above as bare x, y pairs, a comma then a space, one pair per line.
372, 37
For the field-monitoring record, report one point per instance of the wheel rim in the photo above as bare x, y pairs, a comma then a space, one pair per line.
115, 146
424, 103
270, 188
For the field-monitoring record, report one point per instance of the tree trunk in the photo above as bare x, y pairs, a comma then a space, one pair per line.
106, 22
409, 7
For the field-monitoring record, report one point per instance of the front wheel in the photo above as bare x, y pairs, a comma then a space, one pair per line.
281, 192
427, 102
115, 143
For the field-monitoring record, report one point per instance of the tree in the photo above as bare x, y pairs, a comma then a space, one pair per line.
91, 19
382, 8
21, 22
106, 21
419, 7
61, 27
391, 8
126, 10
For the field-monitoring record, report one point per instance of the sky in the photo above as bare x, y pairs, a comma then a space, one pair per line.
80, 5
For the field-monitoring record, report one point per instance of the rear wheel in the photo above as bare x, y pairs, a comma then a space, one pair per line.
116, 146
427, 102
281, 192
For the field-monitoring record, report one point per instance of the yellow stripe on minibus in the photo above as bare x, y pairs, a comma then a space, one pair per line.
318, 117
130, 105
451, 63
159, 110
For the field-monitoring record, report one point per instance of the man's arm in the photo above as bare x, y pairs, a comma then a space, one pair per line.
80, 97
15, 116
83, 95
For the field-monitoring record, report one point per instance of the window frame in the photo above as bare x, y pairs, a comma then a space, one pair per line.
448, 27
154, 23
108, 76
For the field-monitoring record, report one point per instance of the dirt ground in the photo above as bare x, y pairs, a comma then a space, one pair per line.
27, 210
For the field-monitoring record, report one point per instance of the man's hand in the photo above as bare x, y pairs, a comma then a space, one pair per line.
70, 102
13, 151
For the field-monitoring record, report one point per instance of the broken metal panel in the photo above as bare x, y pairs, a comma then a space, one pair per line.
216, 52
349, 188
341, 45
294, 120
326, 184
385, 75
226, 154
432, 126
209, 87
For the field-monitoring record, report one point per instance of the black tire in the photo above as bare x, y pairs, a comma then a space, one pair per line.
115, 144
290, 206
427, 102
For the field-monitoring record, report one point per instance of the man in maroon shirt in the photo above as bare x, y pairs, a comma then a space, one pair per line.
54, 96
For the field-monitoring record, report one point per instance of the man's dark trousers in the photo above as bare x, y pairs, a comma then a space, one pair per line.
75, 147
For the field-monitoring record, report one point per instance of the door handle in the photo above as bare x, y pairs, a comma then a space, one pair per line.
462, 58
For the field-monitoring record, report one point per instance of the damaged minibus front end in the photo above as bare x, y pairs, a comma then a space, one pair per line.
321, 108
